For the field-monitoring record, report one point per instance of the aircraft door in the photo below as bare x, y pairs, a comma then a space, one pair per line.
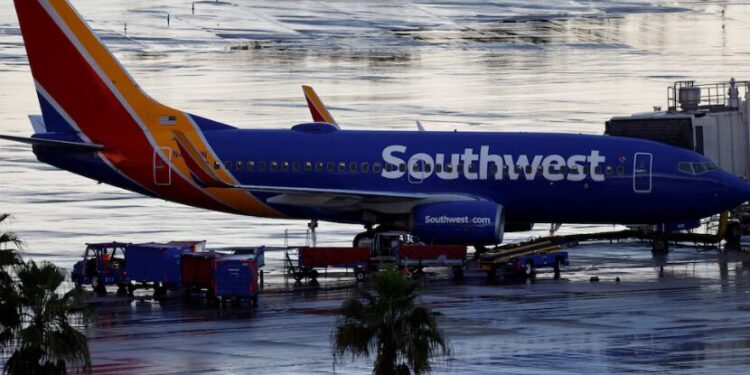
162, 167
642, 172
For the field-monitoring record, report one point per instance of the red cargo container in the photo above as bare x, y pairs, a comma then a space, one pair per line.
310, 257
432, 253
198, 270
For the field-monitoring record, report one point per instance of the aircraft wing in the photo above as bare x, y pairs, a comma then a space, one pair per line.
388, 202
75, 146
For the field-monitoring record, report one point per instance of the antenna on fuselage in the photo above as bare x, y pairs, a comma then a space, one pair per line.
419, 126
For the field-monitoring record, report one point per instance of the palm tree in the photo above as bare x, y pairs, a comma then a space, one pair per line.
35, 320
8, 256
404, 334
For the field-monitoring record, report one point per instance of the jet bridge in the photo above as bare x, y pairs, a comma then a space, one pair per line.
711, 119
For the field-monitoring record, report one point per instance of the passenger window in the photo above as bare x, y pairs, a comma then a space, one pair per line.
295, 166
308, 165
428, 168
251, 165
353, 167
438, 168
228, 165
598, 170
331, 166
528, 169
609, 170
416, 167
274, 165
621, 171
262, 166
564, 170
449, 168
517, 169
402, 167
342, 167
217, 165
285, 166
376, 167
239, 165
365, 167
471, 168
319, 166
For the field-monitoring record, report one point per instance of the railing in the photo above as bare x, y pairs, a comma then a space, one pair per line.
712, 94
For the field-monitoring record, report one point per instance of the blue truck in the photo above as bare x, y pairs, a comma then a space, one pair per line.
154, 265
103, 264
236, 277
525, 258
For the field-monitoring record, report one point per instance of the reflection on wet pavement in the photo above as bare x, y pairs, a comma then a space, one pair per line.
691, 319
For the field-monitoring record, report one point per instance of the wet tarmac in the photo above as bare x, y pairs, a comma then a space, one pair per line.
684, 313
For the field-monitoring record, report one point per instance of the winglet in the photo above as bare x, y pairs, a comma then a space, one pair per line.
318, 110
200, 171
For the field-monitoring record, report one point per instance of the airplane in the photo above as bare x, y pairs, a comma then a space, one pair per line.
444, 187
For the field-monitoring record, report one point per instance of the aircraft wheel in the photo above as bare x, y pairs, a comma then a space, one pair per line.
733, 234
660, 246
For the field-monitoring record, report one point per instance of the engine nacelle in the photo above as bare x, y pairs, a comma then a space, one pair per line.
463, 222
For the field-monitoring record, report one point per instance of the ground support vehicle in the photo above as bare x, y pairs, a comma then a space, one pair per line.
402, 249
388, 249
154, 265
236, 277
197, 273
310, 258
525, 258
103, 264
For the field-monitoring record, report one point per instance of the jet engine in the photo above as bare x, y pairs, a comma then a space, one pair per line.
463, 222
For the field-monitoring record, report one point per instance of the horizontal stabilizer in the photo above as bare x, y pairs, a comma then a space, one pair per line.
79, 146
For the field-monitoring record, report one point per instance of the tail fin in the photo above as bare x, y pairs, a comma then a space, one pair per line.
84, 90
318, 110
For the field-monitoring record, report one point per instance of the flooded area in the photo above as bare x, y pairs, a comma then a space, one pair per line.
565, 66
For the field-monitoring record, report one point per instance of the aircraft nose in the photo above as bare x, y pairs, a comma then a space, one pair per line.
737, 190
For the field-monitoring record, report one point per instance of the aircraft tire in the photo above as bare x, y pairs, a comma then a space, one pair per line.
660, 246
733, 234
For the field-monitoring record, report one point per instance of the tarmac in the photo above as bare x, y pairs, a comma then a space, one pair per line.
683, 313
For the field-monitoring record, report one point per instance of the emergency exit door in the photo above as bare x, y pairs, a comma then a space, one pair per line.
642, 172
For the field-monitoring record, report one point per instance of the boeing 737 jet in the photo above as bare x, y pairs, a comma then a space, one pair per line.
445, 187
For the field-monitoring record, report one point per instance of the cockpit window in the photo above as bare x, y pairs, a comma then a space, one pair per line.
696, 168
685, 167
